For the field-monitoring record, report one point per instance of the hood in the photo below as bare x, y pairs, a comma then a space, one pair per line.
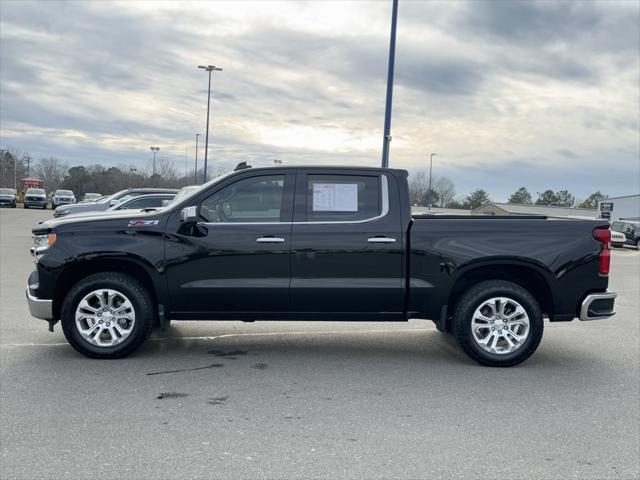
92, 220
10, 195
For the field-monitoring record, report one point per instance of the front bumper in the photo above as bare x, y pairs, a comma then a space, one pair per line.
35, 203
597, 306
38, 307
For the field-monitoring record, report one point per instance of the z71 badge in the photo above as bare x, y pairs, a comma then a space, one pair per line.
143, 223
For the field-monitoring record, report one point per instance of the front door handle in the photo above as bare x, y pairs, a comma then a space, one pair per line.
381, 240
270, 240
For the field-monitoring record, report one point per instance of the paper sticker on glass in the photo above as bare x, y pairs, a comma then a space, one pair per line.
335, 197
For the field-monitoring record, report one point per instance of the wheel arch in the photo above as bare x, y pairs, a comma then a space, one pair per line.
82, 268
528, 275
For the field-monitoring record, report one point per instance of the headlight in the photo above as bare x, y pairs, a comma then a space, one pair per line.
42, 242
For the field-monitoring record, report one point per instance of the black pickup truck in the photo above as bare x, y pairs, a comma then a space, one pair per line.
317, 243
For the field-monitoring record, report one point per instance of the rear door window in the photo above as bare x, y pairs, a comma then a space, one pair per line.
342, 198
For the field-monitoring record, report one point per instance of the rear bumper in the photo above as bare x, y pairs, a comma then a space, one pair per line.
597, 306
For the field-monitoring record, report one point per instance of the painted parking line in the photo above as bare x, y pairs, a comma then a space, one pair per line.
209, 338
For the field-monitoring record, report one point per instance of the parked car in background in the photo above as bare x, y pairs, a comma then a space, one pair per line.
630, 230
62, 197
35, 197
91, 197
144, 203
110, 201
618, 239
8, 197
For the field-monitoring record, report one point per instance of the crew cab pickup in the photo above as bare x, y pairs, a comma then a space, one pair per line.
317, 243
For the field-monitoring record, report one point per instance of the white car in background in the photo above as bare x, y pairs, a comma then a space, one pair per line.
62, 197
617, 239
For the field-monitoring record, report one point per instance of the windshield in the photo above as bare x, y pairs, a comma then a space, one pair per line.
6, 191
185, 192
67, 193
35, 191
108, 198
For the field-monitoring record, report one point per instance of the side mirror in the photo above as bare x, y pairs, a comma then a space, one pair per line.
113, 202
165, 202
189, 215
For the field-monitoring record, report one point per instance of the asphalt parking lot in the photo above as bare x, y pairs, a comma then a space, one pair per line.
315, 400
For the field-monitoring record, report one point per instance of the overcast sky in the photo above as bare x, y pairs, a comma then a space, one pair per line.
542, 94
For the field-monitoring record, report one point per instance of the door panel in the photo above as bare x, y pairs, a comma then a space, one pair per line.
346, 265
237, 258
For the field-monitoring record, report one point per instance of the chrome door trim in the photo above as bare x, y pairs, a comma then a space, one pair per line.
384, 196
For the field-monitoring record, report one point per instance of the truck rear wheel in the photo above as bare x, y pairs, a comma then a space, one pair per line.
498, 323
107, 315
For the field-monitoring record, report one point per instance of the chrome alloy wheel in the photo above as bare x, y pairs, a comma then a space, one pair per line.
105, 317
500, 325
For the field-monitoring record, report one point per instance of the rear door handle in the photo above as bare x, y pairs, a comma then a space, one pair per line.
270, 240
381, 240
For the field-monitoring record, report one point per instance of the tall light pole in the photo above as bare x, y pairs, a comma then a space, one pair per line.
430, 176
154, 150
195, 174
208, 68
387, 109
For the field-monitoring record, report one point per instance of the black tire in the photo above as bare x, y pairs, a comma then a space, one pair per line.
24, 206
145, 314
473, 298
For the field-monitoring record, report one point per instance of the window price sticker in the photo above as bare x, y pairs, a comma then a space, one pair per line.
335, 197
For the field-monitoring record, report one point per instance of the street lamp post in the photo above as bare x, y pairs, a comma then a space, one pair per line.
387, 109
195, 173
154, 150
208, 68
430, 176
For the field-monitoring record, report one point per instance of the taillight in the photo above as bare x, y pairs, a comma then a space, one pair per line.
604, 260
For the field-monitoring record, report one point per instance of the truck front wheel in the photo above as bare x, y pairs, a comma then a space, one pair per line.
498, 323
107, 315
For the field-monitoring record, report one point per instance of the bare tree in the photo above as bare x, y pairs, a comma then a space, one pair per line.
166, 169
418, 188
445, 191
51, 171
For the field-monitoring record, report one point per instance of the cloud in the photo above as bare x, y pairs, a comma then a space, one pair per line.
494, 87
